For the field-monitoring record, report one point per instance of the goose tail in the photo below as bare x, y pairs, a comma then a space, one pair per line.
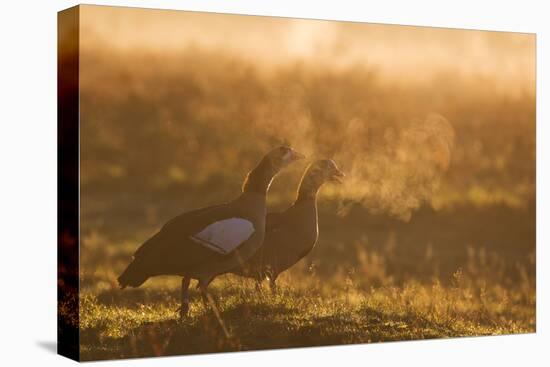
133, 276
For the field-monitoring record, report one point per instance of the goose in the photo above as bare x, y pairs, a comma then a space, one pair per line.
204, 243
291, 234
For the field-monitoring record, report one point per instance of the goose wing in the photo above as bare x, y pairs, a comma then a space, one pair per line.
195, 239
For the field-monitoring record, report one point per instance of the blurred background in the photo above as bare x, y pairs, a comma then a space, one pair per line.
435, 129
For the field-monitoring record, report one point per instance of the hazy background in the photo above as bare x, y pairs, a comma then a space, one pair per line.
435, 129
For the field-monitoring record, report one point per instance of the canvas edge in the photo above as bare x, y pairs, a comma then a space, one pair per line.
68, 239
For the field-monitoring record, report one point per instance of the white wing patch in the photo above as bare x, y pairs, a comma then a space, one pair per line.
225, 235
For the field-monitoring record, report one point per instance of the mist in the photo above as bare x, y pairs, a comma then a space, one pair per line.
402, 173
410, 114
400, 53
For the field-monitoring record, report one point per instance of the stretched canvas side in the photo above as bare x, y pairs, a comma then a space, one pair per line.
68, 183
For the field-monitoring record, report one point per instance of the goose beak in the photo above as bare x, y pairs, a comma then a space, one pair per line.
295, 156
337, 176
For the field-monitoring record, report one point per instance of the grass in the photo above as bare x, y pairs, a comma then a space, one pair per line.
144, 322
385, 290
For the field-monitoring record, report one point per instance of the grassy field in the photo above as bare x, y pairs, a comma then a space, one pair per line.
398, 281
295, 317
431, 235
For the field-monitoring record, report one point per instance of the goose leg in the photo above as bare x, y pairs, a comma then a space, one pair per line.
202, 286
209, 301
184, 308
204, 294
272, 284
